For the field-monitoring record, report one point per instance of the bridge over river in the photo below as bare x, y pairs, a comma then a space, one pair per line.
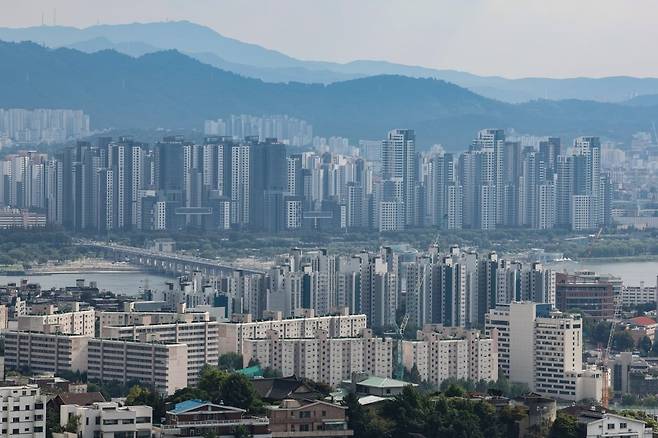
167, 262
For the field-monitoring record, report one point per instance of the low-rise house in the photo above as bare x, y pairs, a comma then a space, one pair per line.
612, 425
596, 422
381, 386
276, 389
308, 418
197, 418
74, 398
641, 326
109, 419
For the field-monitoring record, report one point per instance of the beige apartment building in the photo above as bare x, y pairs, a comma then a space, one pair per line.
444, 353
163, 366
322, 358
119, 319
344, 325
46, 319
46, 353
201, 339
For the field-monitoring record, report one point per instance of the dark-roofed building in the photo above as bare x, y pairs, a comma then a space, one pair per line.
75, 398
280, 388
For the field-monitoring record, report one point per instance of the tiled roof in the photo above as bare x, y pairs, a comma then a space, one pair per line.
187, 405
383, 382
81, 398
642, 320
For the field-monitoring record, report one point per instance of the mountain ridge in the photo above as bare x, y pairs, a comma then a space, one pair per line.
270, 65
169, 89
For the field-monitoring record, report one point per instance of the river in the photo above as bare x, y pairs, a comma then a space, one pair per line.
124, 283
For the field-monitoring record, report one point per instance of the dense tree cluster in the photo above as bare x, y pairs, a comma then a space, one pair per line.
413, 414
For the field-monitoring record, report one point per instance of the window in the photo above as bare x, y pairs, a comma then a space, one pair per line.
623, 425
611, 426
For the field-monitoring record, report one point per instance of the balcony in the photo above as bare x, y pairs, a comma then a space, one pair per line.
248, 421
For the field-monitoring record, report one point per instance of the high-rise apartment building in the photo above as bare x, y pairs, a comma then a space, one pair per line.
542, 348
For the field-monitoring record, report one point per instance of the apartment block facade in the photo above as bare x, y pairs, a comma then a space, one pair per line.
162, 366
321, 358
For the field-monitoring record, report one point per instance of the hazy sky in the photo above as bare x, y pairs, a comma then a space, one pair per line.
512, 38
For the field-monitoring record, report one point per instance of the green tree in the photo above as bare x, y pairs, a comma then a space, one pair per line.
73, 424
140, 395
644, 345
564, 426
237, 390
230, 361
358, 419
211, 380
52, 422
654, 348
188, 393
623, 341
455, 391
241, 432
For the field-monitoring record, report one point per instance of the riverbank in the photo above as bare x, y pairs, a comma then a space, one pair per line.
82, 266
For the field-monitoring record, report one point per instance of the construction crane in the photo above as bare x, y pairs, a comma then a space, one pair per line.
399, 330
605, 356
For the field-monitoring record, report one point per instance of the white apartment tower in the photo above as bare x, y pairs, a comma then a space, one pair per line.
543, 349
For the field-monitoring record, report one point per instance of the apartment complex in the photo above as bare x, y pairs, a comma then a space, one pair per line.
162, 366
46, 319
201, 339
306, 325
109, 419
637, 295
22, 412
46, 353
443, 353
542, 348
322, 358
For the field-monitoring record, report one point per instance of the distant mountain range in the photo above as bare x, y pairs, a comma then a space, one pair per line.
171, 90
254, 61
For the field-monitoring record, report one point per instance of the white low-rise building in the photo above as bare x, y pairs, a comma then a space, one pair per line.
109, 420
22, 412
612, 425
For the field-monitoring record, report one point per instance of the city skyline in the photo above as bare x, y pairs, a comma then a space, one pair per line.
445, 34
